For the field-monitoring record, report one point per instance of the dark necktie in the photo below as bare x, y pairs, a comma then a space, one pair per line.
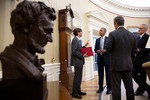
138, 38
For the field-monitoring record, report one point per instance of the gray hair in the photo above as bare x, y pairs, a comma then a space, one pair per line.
145, 26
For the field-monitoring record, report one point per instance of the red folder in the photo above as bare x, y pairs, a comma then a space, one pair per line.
87, 50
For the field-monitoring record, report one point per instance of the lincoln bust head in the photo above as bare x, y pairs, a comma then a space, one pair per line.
32, 27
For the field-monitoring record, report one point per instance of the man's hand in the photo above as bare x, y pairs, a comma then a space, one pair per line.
101, 51
98, 51
85, 55
138, 50
87, 43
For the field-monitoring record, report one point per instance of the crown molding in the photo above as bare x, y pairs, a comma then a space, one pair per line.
98, 16
122, 9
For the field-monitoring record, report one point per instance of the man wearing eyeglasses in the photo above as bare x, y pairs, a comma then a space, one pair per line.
139, 74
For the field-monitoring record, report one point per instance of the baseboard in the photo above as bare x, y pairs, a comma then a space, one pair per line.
52, 71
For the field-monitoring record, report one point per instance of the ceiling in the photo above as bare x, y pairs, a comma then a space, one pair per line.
129, 8
136, 3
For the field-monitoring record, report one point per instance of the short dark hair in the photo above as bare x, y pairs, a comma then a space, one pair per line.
27, 13
76, 30
119, 20
104, 29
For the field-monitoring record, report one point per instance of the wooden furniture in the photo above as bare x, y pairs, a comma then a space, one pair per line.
65, 30
146, 66
56, 91
33, 90
23, 89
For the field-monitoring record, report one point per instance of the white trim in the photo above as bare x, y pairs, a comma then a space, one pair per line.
121, 9
98, 16
52, 71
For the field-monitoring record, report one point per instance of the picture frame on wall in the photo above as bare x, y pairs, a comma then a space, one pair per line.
133, 29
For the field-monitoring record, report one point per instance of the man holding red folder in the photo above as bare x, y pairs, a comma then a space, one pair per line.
87, 50
77, 60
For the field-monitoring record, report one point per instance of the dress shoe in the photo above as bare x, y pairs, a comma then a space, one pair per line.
76, 96
99, 91
108, 92
82, 93
148, 96
148, 91
138, 93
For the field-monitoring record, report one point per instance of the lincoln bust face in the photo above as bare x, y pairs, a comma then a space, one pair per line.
41, 33
32, 26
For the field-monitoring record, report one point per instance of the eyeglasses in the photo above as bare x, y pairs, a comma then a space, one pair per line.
140, 28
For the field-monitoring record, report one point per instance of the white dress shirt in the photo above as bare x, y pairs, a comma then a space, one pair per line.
102, 42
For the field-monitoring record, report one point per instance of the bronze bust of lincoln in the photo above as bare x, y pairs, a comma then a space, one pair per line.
32, 26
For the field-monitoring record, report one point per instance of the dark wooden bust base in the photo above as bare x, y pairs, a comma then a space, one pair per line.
23, 89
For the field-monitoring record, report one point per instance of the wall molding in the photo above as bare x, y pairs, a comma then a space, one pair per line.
52, 71
97, 19
98, 16
118, 8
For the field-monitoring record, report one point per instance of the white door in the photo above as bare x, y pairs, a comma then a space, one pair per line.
95, 57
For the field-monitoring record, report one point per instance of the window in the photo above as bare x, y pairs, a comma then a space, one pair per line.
133, 29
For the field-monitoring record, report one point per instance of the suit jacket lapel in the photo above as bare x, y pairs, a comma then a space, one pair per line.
105, 42
142, 41
98, 43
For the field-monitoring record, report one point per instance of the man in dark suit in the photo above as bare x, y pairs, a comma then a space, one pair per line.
121, 44
77, 60
103, 60
139, 74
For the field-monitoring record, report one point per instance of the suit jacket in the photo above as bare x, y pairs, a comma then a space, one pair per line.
97, 47
18, 64
77, 58
121, 44
143, 55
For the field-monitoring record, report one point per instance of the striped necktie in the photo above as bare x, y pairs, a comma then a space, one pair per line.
101, 43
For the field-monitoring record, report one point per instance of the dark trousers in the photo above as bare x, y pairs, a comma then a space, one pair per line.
139, 74
101, 65
140, 79
77, 80
126, 77
23, 89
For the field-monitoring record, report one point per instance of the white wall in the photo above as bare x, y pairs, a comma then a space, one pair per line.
81, 7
